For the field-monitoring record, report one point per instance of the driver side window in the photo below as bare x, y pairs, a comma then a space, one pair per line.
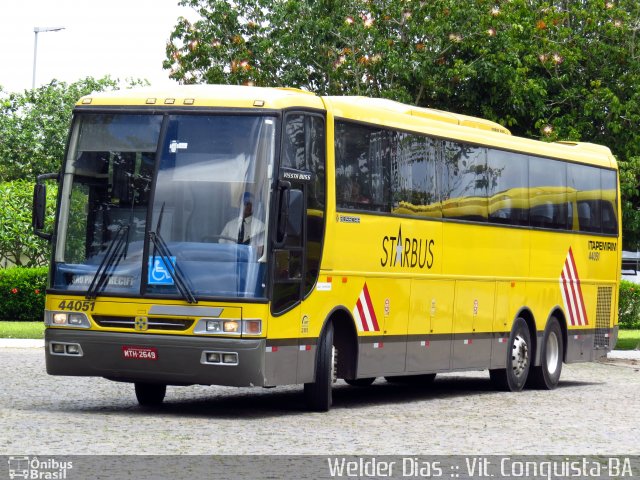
298, 264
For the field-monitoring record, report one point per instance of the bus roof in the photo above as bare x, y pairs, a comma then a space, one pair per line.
230, 96
369, 110
463, 128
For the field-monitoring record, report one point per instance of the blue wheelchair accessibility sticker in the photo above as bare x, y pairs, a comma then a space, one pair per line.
158, 273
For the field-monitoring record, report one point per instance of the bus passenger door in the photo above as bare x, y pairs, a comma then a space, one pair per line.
296, 259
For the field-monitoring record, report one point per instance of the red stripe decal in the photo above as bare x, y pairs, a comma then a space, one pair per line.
372, 312
572, 291
363, 318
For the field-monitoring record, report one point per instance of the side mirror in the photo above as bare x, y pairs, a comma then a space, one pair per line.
40, 205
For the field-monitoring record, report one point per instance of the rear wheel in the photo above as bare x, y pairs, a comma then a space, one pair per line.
150, 394
318, 394
547, 375
514, 377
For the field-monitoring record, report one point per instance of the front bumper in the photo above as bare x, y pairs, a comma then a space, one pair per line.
179, 358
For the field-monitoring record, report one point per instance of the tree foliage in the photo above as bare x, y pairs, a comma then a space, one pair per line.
19, 246
34, 126
550, 69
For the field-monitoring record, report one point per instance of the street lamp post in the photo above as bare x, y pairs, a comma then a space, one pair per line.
36, 31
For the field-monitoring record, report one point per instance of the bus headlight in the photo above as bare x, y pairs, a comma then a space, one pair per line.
231, 326
209, 326
64, 319
214, 326
223, 326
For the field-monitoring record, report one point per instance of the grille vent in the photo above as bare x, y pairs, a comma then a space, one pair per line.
603, 316
174, 324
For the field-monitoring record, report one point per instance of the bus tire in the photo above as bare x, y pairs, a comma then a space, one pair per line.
514, 376
547, 375
150, 394
360, 382
318, 395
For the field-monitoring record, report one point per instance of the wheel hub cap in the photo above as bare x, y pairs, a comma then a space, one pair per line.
520, 356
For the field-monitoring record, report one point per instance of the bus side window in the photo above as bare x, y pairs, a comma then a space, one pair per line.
362, 167
609, 221
584, 217
542, 215
507, 178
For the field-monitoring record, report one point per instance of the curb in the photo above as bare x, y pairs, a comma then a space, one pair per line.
624, 354
21, 343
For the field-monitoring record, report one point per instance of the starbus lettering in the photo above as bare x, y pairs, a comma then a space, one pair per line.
406, 252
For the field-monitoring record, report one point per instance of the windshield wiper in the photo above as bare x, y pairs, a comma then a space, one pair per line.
172, 268
105, 269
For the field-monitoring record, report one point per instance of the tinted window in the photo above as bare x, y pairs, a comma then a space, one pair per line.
608, 212
507, 175
413, 176
362, 167
584, 190
464, 181
548, 199
303, 149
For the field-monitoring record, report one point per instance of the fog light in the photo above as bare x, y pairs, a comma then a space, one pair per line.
213, 357
73, 349
59, 318
230, 358
57, 348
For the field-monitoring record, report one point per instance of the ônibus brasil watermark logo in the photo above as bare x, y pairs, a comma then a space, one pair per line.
41, 469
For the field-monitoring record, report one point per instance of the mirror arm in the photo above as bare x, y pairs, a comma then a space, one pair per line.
48, 176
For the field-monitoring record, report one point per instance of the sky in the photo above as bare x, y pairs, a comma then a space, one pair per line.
120, 38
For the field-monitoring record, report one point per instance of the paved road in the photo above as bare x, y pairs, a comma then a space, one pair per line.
595, 410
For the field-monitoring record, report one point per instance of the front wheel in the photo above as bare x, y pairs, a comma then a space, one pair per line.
547, 375
318, 394
150, 394
514, 377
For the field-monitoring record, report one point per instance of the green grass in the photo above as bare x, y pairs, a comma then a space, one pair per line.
21, 330
627, 339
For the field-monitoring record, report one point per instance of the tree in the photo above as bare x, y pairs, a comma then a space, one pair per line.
549, 69
18, 244
34, 125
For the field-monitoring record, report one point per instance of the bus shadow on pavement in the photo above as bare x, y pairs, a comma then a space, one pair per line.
444, 387
265, 403
256, 403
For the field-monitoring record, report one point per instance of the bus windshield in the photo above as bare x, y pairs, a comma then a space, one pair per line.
165, 205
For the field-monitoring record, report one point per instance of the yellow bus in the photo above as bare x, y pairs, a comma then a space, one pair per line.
244, 236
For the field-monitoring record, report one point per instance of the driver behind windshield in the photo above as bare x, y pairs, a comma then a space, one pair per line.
243, 230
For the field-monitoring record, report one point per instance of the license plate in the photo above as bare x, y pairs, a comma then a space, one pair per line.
140, 353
